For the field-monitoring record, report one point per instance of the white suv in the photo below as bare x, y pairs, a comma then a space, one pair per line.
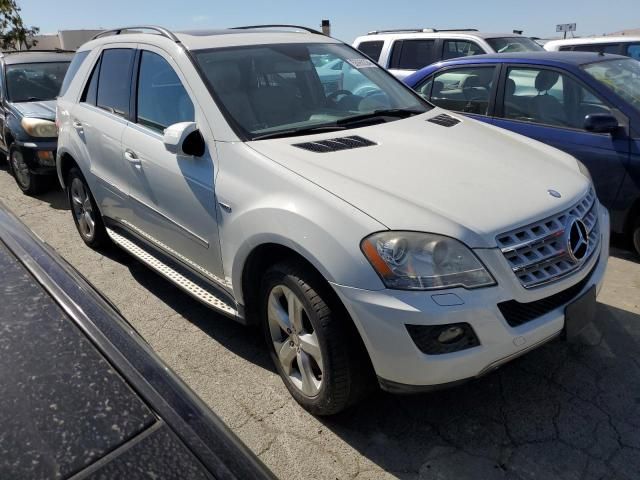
376, 239
405, 51
621, 45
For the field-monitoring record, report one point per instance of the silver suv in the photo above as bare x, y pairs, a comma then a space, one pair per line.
365, 230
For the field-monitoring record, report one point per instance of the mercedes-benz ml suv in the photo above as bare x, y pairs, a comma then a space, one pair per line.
375, 237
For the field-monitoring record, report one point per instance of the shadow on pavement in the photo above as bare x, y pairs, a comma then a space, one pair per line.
562, 411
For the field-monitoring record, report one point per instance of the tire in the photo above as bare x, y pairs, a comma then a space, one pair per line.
339, 378
84, 211
28, 182
635, 235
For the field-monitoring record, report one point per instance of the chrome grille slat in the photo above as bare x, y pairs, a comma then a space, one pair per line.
537, 253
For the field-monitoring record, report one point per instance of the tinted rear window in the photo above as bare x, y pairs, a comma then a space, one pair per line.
595, 47
73, 69
412, 54
114, 84
371, 49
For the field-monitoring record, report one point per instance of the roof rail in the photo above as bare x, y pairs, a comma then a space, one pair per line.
422, 30
159, 30
38, 50
297, 27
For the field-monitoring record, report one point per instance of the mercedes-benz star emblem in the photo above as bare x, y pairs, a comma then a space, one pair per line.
554, 193
577, 239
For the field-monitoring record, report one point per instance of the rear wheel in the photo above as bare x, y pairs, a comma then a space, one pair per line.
28, 182
310, 341
85, 213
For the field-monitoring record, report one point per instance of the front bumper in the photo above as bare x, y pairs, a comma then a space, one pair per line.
39, 155
381, 318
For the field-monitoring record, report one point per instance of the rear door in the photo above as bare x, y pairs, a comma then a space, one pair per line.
550, 105
172, 195
99, 121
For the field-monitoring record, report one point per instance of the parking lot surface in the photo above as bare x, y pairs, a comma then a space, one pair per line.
562, 411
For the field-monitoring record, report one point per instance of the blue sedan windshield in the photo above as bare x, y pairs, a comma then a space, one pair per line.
622, 76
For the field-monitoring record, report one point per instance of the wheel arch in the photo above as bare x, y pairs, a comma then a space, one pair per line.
65, 163
632, 216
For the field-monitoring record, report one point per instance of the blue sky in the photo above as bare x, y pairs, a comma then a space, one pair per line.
349, 18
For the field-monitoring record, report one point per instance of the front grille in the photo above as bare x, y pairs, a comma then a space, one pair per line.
335, 144
444, 120
516, 313
538, 253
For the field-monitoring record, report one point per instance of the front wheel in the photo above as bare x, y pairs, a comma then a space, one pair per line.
29, 183
635, 235
310, 341
85, 213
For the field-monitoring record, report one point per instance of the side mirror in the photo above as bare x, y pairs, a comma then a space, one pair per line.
601, 123
184, 138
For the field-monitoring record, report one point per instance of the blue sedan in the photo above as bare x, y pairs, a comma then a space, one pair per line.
587, 104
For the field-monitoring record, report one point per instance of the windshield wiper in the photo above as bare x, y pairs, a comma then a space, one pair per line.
299, 131
391, 112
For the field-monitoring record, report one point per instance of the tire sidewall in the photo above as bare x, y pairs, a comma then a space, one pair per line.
281, 276
635, 236
22, 187
98, 233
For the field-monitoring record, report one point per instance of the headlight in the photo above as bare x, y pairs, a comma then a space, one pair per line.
424, 261
36, 127
584, 170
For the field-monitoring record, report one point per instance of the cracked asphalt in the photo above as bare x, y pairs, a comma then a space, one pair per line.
560, 412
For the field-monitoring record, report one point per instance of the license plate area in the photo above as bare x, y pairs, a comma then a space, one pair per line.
579, 313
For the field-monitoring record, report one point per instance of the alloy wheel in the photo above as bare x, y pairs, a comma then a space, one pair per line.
82, 209
295, 341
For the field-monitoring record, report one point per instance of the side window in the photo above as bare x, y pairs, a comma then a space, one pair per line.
371, 49
412, 54
114, 82
424, 89
598, 47
633, 50
568, 48
464, 89
548, 97
162, 99
72, 70
460, 48
91, 89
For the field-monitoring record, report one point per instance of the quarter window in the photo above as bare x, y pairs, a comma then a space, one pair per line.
371, 49
114, 82
464, 89
162, 99
460, 48
412, 54
548, 97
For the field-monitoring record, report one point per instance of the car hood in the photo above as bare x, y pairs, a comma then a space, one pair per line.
45, 109
471, 181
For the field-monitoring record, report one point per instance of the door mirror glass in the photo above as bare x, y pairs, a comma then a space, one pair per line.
184, 138
600, 123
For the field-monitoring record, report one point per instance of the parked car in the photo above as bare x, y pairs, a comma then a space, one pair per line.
368, 235
628, 46
586, 104
82, 395
31, 81
403, 52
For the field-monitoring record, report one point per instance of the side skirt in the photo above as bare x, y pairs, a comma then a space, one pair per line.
176, 273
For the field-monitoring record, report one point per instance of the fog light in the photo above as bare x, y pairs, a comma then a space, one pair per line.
46, 157
441, 339
450, 335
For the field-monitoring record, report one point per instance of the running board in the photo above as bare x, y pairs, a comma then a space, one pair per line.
193, 287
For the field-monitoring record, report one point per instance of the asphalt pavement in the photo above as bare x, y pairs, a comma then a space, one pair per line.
561, 412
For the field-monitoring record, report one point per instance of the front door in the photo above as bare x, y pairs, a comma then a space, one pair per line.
172, 195
550, 105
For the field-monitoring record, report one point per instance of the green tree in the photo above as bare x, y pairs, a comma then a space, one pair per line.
14, 35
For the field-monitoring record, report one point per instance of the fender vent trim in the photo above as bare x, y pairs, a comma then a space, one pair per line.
444, 120
335, 144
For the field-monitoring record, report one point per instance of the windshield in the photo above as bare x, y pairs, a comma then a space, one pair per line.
513, 44
284, 89
32, 82
621, 76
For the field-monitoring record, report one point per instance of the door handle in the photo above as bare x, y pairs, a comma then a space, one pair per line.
77, 125
132, 158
